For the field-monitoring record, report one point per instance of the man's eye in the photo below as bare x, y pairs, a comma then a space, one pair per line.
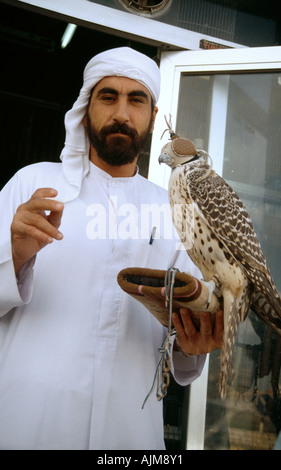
108, 98
137, 100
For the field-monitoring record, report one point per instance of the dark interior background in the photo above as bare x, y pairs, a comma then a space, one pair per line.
39, 81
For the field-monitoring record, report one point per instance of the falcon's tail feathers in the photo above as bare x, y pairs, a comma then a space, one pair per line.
228, 346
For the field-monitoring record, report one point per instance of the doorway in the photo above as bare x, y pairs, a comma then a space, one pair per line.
40, 81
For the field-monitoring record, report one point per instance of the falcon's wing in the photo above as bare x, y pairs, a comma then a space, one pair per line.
227, 217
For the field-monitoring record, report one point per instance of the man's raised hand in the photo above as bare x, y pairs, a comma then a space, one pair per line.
35, 225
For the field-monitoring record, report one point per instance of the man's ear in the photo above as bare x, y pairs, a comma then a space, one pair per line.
155, 111
84, 121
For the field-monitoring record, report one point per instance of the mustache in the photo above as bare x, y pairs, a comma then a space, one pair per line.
116, 128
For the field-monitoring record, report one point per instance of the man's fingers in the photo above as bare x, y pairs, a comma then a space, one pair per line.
55, 216
188, 325
206, 327
220, 320
44, 192
219, 327
42, 200
39, 204
195, 341
178, 324
32, 221
187, 333
31, 231
184, 324
36, 226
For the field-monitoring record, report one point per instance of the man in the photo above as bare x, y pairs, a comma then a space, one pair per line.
77, 354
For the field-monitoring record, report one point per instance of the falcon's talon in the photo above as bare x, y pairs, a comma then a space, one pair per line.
218, 289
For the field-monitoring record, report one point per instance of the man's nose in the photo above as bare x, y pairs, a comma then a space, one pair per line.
121, 112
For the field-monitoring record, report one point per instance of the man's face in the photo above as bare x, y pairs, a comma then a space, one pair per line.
120, 119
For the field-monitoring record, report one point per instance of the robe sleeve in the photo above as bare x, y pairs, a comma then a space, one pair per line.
14, 291
186, 369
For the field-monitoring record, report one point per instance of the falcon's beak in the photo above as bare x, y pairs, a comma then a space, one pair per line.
165, 158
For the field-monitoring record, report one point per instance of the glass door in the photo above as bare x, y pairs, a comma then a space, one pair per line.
229, 103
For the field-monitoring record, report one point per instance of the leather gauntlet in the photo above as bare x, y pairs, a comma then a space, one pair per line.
148, 287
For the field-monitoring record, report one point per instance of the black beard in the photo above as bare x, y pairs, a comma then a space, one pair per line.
117, 151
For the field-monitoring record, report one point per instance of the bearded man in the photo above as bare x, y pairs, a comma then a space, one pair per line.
77, 354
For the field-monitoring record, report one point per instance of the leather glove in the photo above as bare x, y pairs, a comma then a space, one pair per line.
148, 287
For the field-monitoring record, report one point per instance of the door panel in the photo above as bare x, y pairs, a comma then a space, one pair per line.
228, 102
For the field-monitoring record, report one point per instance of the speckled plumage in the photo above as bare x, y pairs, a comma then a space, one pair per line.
221, 241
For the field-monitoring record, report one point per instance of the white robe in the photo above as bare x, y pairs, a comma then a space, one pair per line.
77, 354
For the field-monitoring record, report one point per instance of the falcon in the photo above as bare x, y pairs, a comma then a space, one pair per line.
218, 235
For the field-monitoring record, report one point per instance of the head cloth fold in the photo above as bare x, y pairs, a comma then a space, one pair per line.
121, 62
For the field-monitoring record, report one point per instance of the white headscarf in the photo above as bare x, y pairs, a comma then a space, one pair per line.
121, 62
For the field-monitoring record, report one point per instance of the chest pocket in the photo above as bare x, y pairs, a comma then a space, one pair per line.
152, 251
